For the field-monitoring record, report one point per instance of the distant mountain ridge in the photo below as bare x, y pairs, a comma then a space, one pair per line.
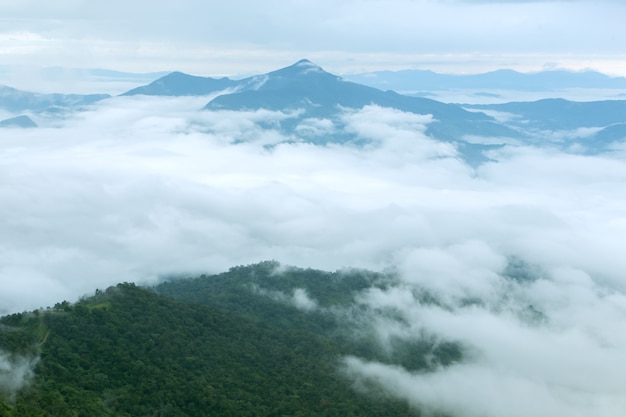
306, 87
180, 84
17, 101
557, 113
504, 79
307, 92
410, 81
605, 120
307, 95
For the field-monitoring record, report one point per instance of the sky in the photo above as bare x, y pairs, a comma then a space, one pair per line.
242, 37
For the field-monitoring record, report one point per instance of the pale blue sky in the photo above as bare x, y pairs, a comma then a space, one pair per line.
244, 37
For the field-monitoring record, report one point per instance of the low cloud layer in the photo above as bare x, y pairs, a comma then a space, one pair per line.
138, 189
545, 346
15, 373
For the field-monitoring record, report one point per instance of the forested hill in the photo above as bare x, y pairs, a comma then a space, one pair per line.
129, 351
326, 304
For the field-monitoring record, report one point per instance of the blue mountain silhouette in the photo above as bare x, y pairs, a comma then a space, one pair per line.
558, 113
308, 87
17, 101
503, 79
180, 84
317, 94
22, 121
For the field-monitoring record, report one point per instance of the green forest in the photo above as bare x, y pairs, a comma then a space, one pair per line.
230, 344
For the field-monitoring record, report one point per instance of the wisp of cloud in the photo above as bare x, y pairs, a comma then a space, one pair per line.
15, 373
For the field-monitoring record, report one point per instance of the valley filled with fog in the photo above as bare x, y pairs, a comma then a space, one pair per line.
523, 249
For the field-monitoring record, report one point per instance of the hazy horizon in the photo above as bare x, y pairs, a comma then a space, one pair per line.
242, 37
67, 80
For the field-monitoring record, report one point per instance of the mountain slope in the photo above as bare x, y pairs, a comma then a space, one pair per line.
316, 301
316, 106
130, 352
558, 114
591, 127
180, 84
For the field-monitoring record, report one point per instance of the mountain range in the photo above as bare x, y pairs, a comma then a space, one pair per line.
23, 105
16, 101
181, 84
306, 93
411, 81
318, 94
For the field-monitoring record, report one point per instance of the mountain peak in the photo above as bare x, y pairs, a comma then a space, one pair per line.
302, 67
306, 64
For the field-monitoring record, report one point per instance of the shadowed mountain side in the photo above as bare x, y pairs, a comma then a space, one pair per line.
317, 94
610, 134
19, 122
16, 101
180, 84
558, 114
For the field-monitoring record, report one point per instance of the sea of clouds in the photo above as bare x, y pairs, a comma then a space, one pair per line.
137, 189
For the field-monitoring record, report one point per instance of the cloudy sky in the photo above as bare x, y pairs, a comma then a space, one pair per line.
245, 37
139, 188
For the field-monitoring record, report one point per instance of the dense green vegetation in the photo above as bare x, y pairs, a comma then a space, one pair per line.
226, 346
252, 291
